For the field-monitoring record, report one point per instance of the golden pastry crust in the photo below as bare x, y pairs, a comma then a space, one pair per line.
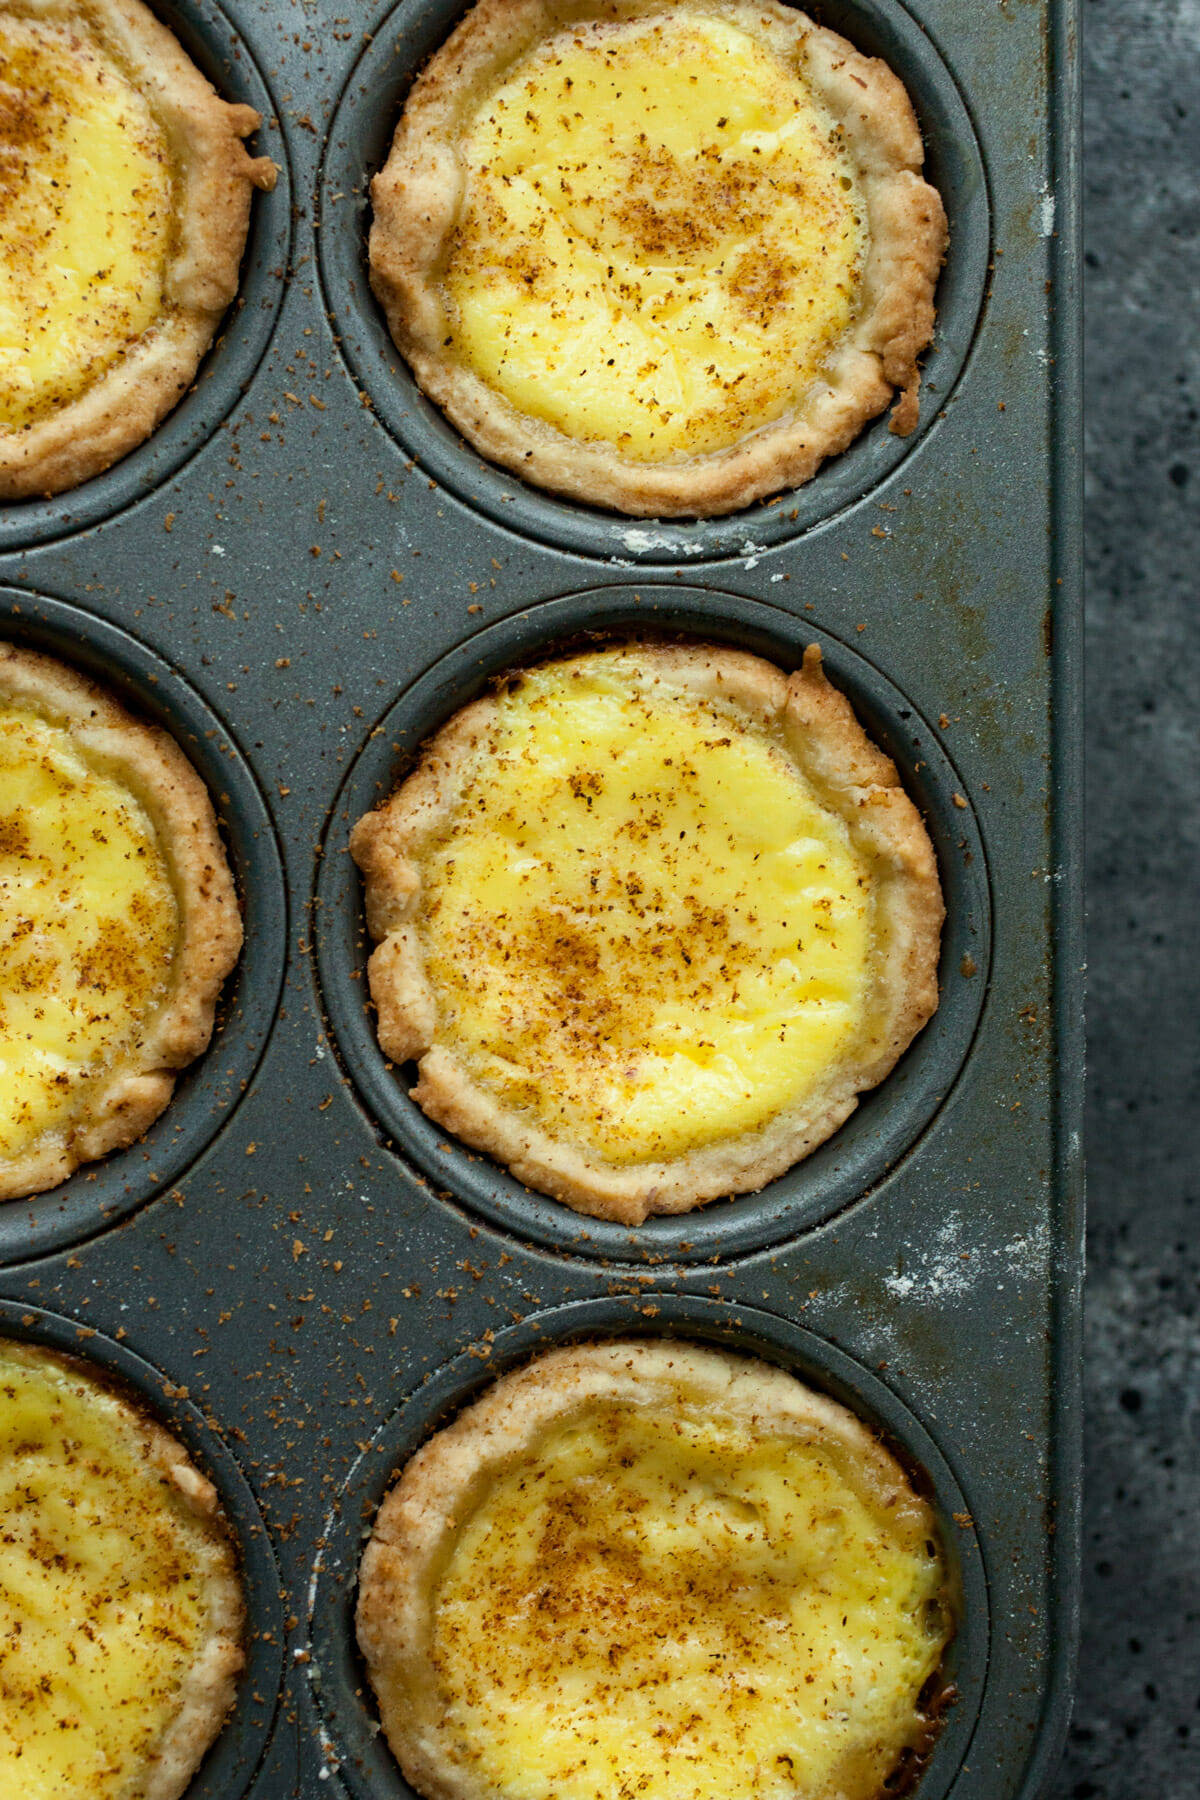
147, 761
404, 1568
207, 1688
214, 178
418, 198
818, 730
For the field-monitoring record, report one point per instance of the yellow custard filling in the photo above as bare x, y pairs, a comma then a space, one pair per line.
101, 1605
661, 238
681, 1603
86, 215
643, 926
88, 927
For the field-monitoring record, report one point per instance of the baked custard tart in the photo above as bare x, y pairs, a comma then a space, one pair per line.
663, 256
118, 921
653, 1568
648, 920
124, 205
121, 1610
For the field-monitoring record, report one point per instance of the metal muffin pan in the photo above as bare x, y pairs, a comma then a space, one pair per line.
282, 567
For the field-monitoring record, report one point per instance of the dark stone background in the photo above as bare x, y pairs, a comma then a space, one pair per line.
1136, 1732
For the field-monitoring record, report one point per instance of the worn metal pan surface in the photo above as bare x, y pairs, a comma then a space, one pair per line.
303, 573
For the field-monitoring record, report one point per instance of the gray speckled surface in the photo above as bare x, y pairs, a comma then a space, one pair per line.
1137, 1715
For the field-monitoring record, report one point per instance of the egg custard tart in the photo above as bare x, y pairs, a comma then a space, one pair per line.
118, 921
120, 1604
124, 205
649, 920
664, 256
652, 1568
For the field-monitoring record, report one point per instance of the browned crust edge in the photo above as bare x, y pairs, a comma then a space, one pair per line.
215, 178
851, 776
208, 1688
416, 199
437, 1490
157, 772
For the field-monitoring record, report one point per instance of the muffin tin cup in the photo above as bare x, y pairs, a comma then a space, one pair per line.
99, 1195
236, 1752
889, 1119
340, 1690
241, 340
359, 141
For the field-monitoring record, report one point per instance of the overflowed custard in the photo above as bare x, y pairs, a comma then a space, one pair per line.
89, 924
87, 215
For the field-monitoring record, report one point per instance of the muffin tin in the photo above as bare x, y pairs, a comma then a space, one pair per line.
304, 572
